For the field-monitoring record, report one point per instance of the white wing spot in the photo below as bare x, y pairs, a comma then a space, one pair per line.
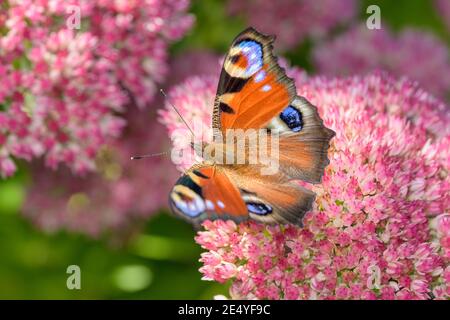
209, 205
260, 76
266, 88
220, 204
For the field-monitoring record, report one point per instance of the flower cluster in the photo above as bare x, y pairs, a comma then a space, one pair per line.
64, 83
122, 193
292, 21
360, 50
194, 99
379, 228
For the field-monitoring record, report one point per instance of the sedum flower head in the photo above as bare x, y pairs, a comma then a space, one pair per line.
360, 50
64, 84
120, 195
379, 228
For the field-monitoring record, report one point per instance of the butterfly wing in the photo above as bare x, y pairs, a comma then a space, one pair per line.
254, 92
209, 192
252, 88
303, 141
206, 192
271, 198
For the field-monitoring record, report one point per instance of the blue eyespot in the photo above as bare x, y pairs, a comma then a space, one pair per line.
254, 54
191, 207
293, 118
259, 208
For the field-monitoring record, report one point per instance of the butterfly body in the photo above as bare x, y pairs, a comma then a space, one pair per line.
265, 138
238, 147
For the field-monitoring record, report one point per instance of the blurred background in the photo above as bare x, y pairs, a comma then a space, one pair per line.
69, 199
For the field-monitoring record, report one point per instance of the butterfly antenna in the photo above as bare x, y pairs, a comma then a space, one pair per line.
149, 155
214, 169
176, 110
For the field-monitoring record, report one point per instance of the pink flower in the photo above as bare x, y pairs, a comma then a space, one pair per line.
215, 268
119, 197
443, 233
293, 21
7, 167
370, 234
63, 89
360, 50
194, 99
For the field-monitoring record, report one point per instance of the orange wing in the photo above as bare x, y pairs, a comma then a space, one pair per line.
205, 192
253, 88
221, 192
271, 199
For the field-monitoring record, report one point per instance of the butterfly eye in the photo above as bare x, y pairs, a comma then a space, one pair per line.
259, 208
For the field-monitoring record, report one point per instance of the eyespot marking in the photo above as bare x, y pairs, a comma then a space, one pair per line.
187, 202
253, 52
225, 108
292, 117
192, 208
234, 59
187, 181
259, 208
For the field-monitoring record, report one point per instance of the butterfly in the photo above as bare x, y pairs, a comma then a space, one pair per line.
255, 93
